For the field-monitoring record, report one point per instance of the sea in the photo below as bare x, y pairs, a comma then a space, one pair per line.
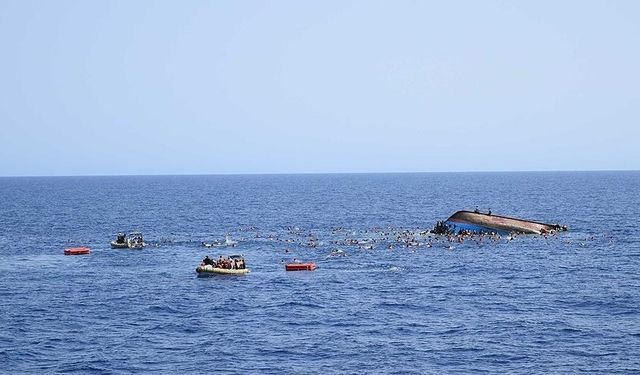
377, 303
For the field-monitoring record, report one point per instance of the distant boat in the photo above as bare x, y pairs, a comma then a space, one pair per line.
134, 240
231, 265
487, 223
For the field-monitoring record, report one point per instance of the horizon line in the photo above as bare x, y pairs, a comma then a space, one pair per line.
319, 173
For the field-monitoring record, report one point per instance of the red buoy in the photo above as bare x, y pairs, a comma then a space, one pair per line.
300, 266
77, 251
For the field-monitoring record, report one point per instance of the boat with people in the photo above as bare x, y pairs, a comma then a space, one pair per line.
120, 242
230, 265
134, 240
479, 222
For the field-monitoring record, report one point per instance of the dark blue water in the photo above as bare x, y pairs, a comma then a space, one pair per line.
567, 303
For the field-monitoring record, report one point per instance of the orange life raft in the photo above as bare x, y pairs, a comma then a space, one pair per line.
77, 251
300, 266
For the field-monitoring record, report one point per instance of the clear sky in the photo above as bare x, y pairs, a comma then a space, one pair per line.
198, 87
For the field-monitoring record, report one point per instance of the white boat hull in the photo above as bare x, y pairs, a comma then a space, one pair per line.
209, 270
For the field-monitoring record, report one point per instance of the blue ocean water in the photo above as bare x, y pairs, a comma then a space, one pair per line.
566, 303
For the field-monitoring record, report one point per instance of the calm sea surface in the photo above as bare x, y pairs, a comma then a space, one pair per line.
568, 303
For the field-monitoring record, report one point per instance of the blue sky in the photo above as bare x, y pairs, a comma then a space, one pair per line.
199, 87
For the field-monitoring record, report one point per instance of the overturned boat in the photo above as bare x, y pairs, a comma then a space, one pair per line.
479, 222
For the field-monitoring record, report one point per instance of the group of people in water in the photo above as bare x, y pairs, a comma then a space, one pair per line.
225, 263
338, 239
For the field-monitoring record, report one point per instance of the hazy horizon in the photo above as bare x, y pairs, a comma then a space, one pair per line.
324, 173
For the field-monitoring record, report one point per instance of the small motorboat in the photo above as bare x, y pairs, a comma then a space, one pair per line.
77, 251
300, 266
231, 265
134, 240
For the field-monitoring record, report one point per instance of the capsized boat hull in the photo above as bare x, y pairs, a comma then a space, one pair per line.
209, 270
485, 223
